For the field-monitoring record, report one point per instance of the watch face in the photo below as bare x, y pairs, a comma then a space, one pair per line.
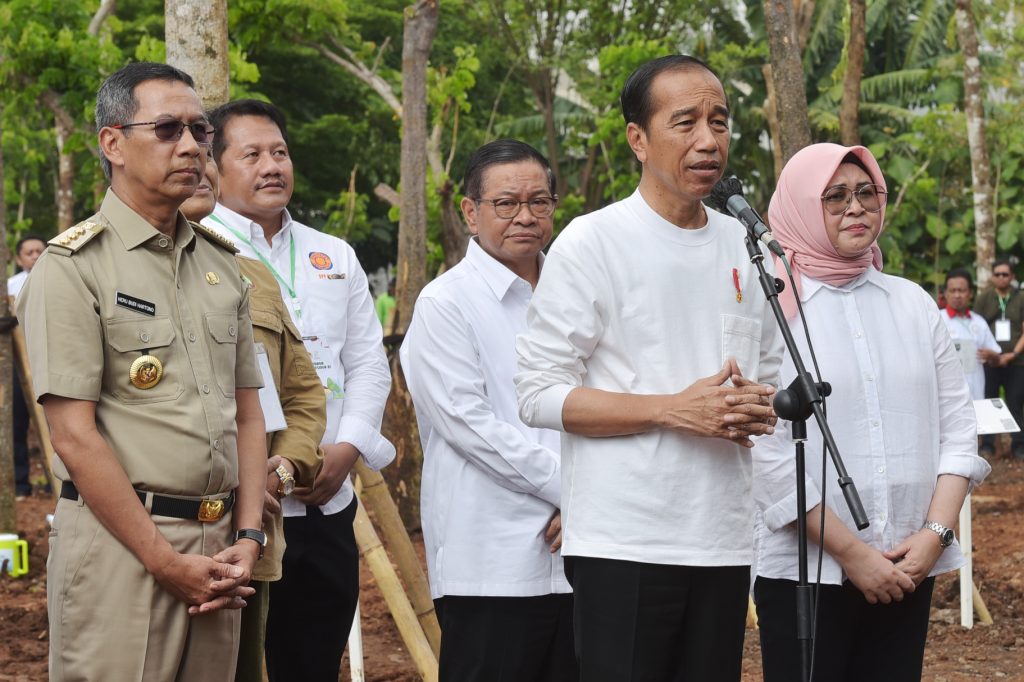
288, 485
947, 537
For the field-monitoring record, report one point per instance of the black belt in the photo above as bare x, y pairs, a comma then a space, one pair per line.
205, 510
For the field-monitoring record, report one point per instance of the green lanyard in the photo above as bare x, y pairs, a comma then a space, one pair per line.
289, 286
1002, 305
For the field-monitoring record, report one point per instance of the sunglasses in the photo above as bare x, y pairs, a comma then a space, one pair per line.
837, 200
171, 130
1001, 274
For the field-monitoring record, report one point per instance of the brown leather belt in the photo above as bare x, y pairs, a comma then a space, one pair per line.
205, 509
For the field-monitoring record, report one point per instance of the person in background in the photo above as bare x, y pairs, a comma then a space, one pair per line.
972, 338
490, 493
1002, 306
903, 420
294, 455
28, 249
328, 297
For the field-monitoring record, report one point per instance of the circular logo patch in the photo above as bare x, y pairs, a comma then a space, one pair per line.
320, 260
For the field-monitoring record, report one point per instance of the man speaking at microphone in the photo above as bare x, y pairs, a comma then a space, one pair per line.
651, 346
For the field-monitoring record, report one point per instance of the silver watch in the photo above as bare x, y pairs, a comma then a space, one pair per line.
946, 535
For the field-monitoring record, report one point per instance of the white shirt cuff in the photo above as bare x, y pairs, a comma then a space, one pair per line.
548, 407
376, 450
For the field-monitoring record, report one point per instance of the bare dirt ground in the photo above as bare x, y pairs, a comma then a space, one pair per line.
994, 652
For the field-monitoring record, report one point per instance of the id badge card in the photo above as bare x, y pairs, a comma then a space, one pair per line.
968, 354
273, 415
1002, 330
326, 365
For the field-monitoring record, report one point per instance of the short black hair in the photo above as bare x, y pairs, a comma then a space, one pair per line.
115, 100
1002, 260
636, 100
958, 273
222, 115
497, 153
27, 237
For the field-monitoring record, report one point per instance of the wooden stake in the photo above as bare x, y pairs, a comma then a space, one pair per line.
390, 586
376, 497
36, 410
984, 617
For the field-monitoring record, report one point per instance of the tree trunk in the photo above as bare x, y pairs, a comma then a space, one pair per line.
788, 77
849, 125
771, 112
8, 520
454, 235
403, 475
543, 86
974, 107
196, 33
64, 127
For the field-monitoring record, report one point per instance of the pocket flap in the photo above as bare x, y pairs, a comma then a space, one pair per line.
223, 327
129, 334
266, 319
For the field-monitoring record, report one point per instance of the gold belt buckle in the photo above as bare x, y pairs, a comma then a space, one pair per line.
211, 510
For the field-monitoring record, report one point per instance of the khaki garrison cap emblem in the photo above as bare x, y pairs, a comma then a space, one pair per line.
212, 278
146, 372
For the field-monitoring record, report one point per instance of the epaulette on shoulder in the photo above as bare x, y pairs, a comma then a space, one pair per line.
214, 237
74, 238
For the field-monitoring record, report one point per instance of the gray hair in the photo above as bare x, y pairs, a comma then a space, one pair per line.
115, 100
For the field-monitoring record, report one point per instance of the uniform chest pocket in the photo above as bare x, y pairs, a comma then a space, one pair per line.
129, 374
223, 331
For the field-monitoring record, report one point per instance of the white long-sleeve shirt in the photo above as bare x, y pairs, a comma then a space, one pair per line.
971, 327
326, 292
630, 303
900, 413
490, 483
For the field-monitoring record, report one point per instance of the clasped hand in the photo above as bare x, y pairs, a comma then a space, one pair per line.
710, 408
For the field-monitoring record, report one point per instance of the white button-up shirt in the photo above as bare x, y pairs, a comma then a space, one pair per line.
972, 327
900, 412
326, 291
490, 483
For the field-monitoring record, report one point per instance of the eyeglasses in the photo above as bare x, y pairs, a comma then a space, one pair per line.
171, 130
837, 199
540, 207
1001, 274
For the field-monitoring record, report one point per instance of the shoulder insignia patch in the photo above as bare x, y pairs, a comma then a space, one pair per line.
76, 237
214, 237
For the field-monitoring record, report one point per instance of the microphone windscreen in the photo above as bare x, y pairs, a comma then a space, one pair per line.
723, 189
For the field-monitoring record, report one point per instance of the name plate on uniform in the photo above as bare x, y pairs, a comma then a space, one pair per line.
994, 417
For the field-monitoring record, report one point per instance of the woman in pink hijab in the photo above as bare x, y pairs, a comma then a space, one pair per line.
901, 415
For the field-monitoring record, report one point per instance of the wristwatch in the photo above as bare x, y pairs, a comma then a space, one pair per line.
257, 536
287, 484
946, 535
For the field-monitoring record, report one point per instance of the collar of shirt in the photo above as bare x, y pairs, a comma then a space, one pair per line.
685, 236
952, 313
498, 277
251, 229
134, 230
870, 276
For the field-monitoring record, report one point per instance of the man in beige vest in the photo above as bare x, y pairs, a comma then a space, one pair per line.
142, 355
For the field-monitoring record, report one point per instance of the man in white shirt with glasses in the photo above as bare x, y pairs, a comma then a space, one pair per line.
490, 494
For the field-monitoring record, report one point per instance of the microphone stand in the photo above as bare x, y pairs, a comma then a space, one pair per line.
795, 404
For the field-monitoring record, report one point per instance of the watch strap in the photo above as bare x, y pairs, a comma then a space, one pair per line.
945, 534
257, 536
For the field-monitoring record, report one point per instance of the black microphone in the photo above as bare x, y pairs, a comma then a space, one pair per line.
727, 195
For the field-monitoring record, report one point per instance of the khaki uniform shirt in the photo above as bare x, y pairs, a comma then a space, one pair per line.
302, 398
114, 289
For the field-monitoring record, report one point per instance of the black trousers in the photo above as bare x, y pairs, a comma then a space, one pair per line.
20, 420
1011, 379
854, 641
638, 622
506, 639
312, 606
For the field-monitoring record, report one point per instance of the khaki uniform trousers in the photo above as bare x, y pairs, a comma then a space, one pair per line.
110, 619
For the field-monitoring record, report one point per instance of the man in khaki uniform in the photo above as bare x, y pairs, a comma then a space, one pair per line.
295, 457
142, 355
